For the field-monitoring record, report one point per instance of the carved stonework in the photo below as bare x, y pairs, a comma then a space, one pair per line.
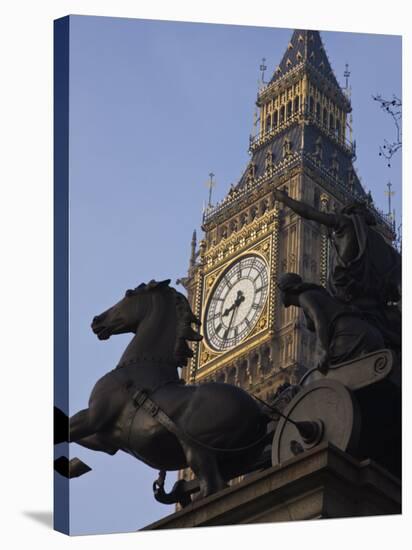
210, 280
249, 233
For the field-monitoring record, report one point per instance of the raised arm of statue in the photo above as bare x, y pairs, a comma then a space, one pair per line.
306, 211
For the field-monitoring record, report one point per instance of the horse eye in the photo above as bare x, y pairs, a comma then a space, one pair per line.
129, 293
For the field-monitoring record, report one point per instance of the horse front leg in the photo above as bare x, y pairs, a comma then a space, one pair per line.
65, 467
60, 426
81, 426
72, 429
97, 442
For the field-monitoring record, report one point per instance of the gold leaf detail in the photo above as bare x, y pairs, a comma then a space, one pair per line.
211, 280
205, 357
262, 322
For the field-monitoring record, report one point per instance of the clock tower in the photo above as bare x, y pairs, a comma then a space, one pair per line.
304, 146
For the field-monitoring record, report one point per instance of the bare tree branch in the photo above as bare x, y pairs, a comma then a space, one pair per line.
394, 108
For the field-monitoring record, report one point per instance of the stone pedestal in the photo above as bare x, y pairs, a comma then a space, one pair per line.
321, 483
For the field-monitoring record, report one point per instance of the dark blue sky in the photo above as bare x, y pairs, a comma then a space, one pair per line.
154, 107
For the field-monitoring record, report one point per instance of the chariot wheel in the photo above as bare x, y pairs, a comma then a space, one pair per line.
324, 411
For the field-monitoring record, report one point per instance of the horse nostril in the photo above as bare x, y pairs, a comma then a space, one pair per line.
96, 319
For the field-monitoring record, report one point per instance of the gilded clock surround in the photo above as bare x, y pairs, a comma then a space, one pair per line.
212, 280
234, 305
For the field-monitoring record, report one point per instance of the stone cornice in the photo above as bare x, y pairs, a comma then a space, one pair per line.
279, 174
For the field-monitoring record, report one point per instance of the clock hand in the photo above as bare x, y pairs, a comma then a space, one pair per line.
234, 314
228, 310
230, 322
238, 300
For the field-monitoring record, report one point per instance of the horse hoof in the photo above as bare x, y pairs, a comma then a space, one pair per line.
70, 468
61, 426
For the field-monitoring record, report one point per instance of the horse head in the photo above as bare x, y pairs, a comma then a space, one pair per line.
126, 315
158, 313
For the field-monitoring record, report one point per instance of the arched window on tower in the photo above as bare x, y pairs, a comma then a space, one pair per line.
337, 129
233, 226
243, 375
251, 173
331, 123
318, 149
268, 123
289, 348
325, 117
282, 114
287, 148
266, 359
253, 213
351, 178
311, 104
296, 104
289, 109
334, 164
254, 366
263, 207
243, 218
318, 111
275, 119
269, 160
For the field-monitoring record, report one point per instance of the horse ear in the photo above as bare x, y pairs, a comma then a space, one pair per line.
154, 284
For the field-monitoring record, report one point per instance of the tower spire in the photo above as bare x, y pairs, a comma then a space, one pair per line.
306, 48
210, 184
348, 92
193, 250
389, 194
346, 74
262, 68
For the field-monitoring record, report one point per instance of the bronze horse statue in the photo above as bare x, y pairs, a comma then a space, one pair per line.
216, 427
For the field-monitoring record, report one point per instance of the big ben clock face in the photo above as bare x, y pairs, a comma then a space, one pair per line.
236, 302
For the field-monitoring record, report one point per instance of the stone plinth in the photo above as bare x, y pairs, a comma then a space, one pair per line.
321, 483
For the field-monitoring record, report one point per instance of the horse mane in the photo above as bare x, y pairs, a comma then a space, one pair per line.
184, 331
184, 320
